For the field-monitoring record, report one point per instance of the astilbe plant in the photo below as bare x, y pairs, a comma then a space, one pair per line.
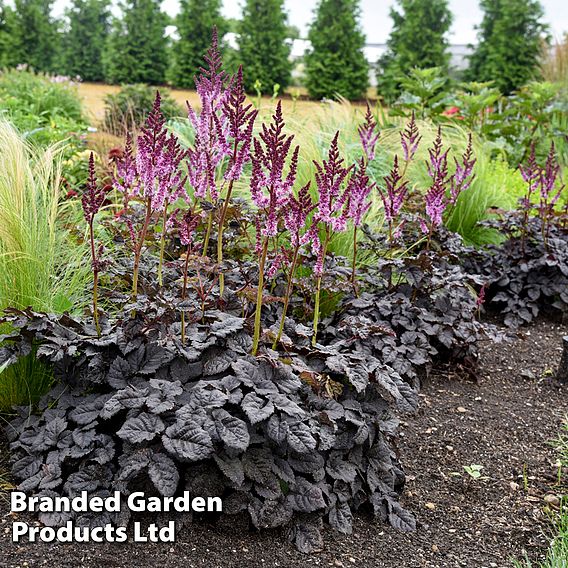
240, 118
223, 136
331, 214
153, 176
271, 190
395, 185
542, 182
92, 200
445, 188
369, 134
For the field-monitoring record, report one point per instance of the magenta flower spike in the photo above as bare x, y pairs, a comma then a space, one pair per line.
436, 201
239, 118
211, 144
329, 177
463, 175
410, 139
393, 196
154, 175
94, 196
369, 135
92, 201
270, 186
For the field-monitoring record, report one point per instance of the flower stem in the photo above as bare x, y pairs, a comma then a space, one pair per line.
95, 278
220, 238
207, 236
287, 297
138, 250
183, 293
257, 314
318, 289
162, 245
354, 259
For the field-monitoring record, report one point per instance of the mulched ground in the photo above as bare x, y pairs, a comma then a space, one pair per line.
503, 422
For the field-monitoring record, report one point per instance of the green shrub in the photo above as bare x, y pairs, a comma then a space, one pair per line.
47, 98
126, 110
137, 47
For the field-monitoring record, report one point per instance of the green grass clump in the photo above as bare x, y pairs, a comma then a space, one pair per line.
40, 266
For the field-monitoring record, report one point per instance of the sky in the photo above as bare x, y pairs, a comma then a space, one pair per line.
377, 23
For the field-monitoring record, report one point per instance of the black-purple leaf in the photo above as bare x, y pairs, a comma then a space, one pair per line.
232, 430
256, 408
142, 428
187, 443
341, 518
164, 474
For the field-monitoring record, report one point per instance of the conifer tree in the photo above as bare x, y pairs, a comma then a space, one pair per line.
35, 34
84, 42
418, 39
336, 63
264, 50
137, 48
8, 55
510, 42
194, 22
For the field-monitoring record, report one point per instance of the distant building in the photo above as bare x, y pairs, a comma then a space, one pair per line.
373, 51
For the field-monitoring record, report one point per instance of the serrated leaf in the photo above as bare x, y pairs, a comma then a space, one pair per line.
187, 443
118, 373
163, 474
257, 409
300, 439
400, 518
341, 518
142, 428
305, 497
232, 468
232, 430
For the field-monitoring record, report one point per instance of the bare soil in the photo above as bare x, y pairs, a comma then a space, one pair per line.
504, 422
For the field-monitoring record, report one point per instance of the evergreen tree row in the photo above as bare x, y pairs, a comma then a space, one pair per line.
93, 44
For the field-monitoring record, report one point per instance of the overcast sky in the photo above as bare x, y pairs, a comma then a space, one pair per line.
376, 20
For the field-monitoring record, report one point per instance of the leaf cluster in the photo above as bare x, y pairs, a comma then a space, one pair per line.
288, 440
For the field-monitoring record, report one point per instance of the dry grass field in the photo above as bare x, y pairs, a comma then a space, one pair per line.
93, 94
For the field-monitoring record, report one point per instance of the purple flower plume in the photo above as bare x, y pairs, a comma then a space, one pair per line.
463, 175
186, 224
296, 216
542, 181
358, 191
270, 186
94, 196
332, 210
329, 176
410, 139
549, 177
211, 144
394, 193
368, 134
436, 201
240, 119
154, 174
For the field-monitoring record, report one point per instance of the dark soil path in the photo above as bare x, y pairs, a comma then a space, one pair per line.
504, 423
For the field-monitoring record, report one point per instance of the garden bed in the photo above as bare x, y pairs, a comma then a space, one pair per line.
503, 422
